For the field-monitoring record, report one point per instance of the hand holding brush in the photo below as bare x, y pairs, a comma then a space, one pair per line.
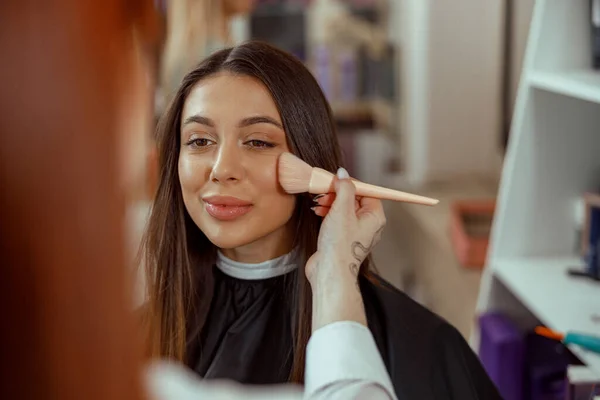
296, 176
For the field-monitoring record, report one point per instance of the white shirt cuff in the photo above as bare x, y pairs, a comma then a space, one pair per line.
344, 351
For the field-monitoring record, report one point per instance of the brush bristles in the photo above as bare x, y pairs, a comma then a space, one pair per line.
294, 174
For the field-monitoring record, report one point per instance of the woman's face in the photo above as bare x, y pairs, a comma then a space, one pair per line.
231, 137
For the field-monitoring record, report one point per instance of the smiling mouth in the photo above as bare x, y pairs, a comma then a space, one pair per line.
226, 208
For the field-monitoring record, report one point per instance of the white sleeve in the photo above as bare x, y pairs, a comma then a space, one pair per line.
343, 362
170, 381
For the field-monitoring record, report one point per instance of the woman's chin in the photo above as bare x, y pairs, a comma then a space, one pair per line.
225, 241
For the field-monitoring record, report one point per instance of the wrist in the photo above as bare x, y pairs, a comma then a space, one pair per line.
337, 307
335, 301
334, 271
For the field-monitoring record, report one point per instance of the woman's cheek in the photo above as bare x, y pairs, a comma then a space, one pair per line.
191, 173
266, 172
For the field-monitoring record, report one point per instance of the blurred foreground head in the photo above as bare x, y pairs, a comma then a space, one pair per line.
74, 102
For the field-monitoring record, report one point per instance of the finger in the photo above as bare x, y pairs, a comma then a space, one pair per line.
325, 199
370, 205
371, 219
320, 210
345, 193
371, 213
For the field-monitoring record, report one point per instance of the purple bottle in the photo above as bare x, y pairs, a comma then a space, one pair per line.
323, 70
348, 76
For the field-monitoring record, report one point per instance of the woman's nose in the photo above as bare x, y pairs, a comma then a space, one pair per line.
227, 166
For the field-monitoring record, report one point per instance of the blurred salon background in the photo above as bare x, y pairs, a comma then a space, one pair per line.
490, 106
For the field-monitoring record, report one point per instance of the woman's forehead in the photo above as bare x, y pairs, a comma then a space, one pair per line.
228, 97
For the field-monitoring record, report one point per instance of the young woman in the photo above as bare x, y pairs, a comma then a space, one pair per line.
228, 252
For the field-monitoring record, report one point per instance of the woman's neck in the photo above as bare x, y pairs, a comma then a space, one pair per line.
266, 248
258, 271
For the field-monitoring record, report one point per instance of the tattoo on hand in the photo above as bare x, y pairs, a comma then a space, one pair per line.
356, 246
354, 267
365, 250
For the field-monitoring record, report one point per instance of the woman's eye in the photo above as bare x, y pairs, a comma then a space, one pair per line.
198, 143
259, 144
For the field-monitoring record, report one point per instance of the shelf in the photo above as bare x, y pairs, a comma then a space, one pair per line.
375, 112
355, 109
278, 10
584, 85
551, 161
562, 302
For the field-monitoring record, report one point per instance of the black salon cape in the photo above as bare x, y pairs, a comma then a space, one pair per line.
248, 338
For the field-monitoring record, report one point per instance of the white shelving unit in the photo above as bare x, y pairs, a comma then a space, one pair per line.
553, 158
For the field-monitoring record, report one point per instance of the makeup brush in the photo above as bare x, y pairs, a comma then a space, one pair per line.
296, 176
588, 342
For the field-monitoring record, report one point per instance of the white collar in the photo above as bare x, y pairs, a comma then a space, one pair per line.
264, 270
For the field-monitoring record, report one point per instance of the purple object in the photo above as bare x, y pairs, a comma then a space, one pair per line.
323, 70
545, 368
501, 352
349, 76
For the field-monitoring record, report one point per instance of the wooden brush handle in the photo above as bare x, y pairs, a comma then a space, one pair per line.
367, 190
321, 182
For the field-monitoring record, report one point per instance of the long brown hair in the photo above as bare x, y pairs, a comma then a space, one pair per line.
178, 256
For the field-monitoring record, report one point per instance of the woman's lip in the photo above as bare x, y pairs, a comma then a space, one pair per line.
226, 201
226, 213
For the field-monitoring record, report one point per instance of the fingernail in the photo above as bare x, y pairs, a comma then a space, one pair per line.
342, 173
313, 208
317, 197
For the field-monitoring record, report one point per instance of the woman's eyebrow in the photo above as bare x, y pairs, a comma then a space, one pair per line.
199, 119
263, 119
